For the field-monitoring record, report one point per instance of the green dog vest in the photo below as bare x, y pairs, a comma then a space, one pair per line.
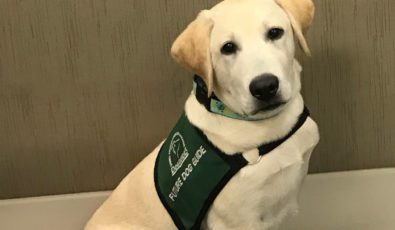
190, 171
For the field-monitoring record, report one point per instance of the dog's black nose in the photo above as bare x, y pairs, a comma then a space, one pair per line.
264, 87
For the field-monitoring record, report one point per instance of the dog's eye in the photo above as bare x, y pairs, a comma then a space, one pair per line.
229, 48
275, 33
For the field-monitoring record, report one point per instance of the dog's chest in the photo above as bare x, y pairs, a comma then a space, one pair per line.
260, 196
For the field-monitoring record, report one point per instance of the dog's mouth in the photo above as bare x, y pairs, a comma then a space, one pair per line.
269, 107
273, 106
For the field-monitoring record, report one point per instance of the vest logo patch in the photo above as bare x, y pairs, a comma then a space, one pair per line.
178, 153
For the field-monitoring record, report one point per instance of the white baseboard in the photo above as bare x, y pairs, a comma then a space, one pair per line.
61, 212
353, 200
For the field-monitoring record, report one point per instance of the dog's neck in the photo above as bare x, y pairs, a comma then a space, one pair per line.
232, 135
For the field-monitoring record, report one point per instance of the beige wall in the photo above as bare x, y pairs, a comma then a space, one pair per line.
87, 88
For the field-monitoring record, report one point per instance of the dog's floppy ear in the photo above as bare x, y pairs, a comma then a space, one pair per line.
301, 14
192, 48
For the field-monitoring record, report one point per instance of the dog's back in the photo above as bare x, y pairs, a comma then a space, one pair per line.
134, 204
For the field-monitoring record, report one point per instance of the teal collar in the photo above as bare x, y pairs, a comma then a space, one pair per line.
215, 105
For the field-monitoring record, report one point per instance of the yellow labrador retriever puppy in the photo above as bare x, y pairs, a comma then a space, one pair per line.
254, 136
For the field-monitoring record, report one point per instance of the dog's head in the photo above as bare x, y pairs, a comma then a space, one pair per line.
245, 52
